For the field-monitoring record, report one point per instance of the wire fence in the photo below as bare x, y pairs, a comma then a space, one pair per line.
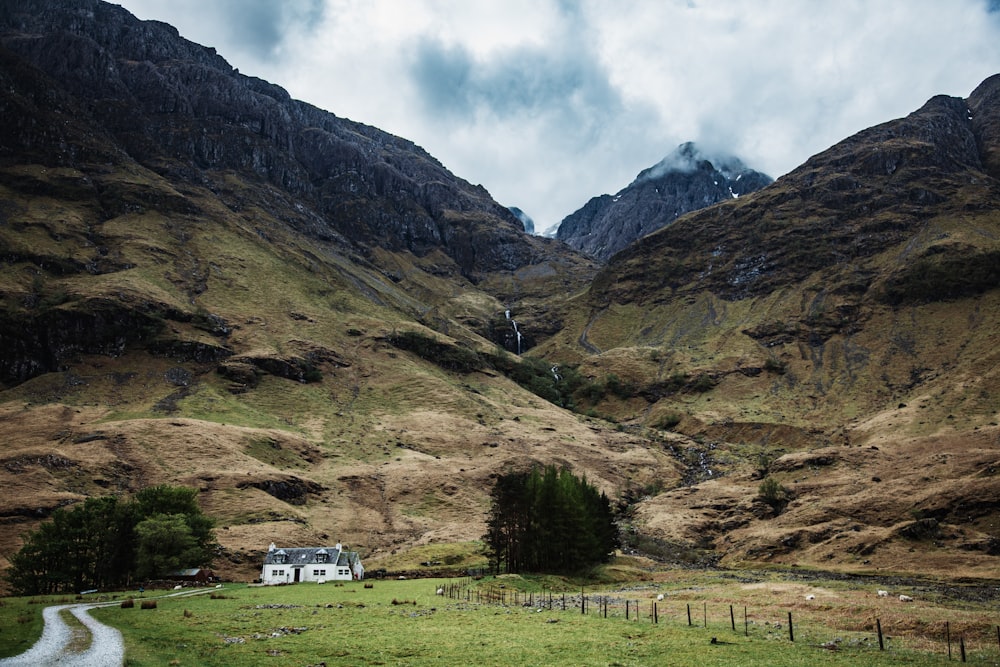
740, 620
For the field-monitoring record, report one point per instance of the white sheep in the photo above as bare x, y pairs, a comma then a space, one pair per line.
905, 598
659, 598
440, 591
883, 594
810, 597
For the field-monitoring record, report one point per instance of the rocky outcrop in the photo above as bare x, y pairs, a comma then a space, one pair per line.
684, 181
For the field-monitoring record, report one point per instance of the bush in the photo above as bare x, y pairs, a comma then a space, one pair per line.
703, 384
775, 366
148, 604
668, 421
128, 604
772, 493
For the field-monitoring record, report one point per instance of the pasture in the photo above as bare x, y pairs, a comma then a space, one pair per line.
522, 621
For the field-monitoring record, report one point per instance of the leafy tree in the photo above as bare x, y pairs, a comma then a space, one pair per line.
165, 542
96, 544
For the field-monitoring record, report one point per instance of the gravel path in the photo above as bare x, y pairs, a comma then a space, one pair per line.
106, 647
52, 648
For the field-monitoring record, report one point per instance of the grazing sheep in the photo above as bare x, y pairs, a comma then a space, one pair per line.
439, 591
659, 598
905, 598
883, 594
810, 597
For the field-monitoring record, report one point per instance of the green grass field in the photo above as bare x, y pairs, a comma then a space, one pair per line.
407, 623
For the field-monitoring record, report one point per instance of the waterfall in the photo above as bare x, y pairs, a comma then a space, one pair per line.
517, 332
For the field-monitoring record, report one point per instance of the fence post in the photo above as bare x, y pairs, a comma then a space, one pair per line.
689, 613
704, 617
961, 646
626, 609
878, 628
732, 618
583, 602
947, 634
791, 632
656, 615
746, 623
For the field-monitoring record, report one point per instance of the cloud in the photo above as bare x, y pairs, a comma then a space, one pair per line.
550, 102
248, 30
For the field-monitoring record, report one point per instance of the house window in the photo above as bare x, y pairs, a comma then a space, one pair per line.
279, 573
321, 558
319, 573
343, 571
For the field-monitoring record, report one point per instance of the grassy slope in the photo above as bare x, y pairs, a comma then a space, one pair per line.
385, 450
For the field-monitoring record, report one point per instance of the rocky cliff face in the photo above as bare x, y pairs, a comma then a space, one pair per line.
181, 110
684, 181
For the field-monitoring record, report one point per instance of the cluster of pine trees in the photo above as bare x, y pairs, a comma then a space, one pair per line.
109, 542
548, 521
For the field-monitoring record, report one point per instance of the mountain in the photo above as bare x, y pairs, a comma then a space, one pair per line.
113, 94
840, 323
685, 180
205, 282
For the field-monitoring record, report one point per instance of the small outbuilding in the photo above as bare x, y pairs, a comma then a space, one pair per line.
197, 575
291, 565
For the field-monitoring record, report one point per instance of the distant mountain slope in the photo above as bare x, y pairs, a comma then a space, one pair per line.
684, 181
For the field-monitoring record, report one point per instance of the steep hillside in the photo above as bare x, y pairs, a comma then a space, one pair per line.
684, 181
837, 330
206, 282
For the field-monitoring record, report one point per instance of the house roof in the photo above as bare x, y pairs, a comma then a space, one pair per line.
189, 572
307, 556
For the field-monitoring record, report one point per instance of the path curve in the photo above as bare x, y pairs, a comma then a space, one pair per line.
107, 648
106, 645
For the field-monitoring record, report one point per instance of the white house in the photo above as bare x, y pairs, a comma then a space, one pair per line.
319, 564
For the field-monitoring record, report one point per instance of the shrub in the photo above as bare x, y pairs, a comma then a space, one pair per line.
776, 366
668, 421
148, 604
128, 604
772, 493
703, 384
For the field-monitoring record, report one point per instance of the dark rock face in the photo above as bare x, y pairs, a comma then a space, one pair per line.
684, 181
137, 88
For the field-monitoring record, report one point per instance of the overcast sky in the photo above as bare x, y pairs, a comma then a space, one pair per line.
550, 102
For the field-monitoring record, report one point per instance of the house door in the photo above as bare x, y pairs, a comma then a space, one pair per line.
298, 572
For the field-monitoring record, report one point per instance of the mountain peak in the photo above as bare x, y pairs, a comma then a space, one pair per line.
687, 179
